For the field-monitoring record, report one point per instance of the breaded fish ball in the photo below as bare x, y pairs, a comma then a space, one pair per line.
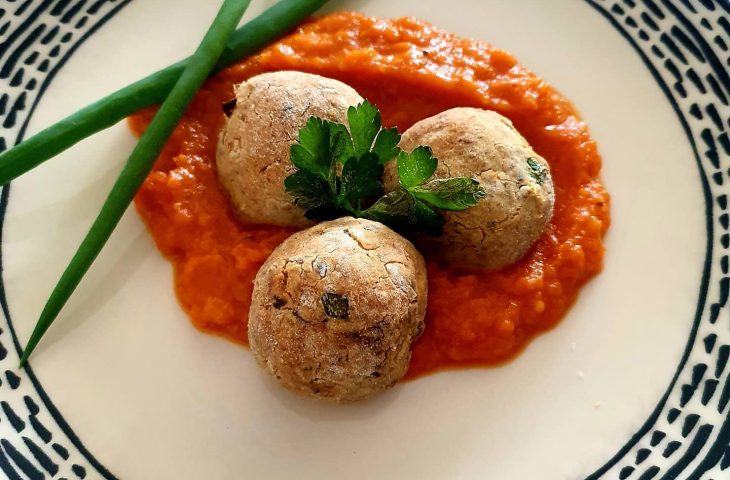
518, 205
253, 149
336, 308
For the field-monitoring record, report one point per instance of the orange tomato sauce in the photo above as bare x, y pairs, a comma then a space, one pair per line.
410, 70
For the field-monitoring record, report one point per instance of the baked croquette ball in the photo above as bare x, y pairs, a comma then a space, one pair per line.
484, 145
253, 149
336, 308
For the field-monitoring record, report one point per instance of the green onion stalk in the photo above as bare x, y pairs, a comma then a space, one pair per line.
142, 159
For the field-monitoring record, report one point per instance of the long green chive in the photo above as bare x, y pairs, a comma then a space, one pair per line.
140, 162
151, 90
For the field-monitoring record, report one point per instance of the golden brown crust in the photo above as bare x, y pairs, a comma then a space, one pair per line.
484, 145
365, 350
253, 149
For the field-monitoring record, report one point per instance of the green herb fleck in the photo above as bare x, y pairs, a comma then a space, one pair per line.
229, 107
538, 171
335, 305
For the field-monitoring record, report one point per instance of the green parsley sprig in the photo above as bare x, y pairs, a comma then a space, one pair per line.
340, 171
537, 170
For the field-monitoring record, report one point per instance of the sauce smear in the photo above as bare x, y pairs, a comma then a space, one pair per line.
411, 71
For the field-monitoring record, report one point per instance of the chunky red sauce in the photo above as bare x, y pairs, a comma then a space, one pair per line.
410, 71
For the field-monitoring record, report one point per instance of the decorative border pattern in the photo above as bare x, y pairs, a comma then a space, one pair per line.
36, 39
686, 46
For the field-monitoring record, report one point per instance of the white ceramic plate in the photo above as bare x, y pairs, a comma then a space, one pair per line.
633, 384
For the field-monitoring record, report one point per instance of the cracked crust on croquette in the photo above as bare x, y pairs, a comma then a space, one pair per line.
253, 148
365, 350
483, 145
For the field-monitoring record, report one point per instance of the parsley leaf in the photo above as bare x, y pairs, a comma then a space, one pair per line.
386, 145
416, 167
404, 213
396, 209
313, 152
458, 193
432, 223
361, 177
341, 143
309, 190
364, 121
538, 171
327, 191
